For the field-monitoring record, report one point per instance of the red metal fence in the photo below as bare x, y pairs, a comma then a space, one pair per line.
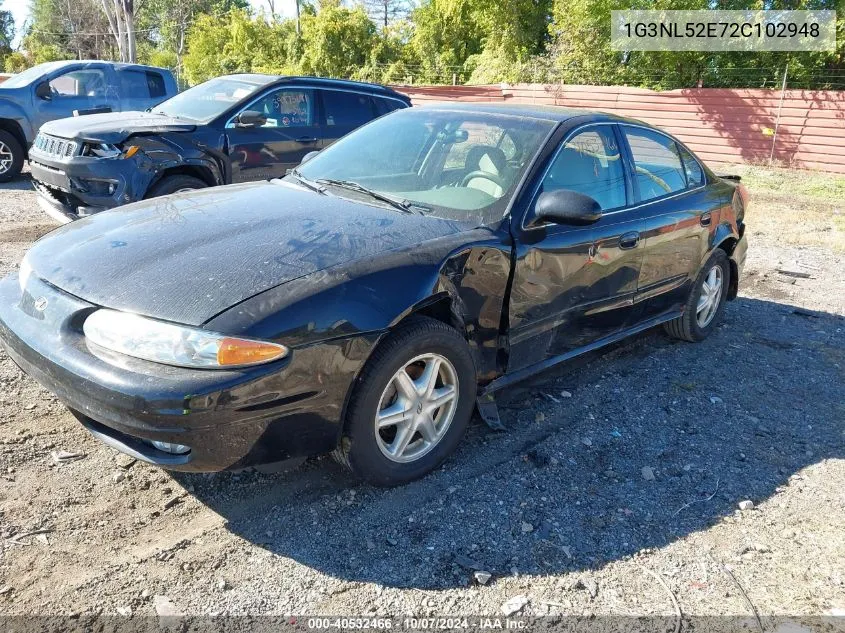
720, 125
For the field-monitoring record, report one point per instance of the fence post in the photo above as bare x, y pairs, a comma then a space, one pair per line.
454, 79
777, 119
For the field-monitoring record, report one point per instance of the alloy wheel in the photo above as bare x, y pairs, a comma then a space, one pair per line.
416, 408
710, 297
6, 158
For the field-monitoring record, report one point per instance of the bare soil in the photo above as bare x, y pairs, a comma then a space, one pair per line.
614, 491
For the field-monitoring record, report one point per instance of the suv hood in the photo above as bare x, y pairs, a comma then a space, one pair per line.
114, 127
187, 257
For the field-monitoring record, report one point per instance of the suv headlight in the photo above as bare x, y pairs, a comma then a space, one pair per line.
107, 150
177, 345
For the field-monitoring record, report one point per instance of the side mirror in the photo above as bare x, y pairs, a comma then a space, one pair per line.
43, 91
565, 206
250, 118
308, 157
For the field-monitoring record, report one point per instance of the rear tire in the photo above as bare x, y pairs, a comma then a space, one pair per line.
401, 422
175, 184
706, 301
11, 156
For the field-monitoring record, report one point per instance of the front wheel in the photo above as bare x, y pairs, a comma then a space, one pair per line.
706, 301
11, 156
175, 184
411, 405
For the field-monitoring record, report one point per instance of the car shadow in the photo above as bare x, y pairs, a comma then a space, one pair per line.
658, 440
21, 182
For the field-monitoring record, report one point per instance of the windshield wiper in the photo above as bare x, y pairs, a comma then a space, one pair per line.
403, 205
313, 186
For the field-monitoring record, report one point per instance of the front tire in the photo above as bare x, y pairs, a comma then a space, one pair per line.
175, 184
11, 156
411, 406
706, 302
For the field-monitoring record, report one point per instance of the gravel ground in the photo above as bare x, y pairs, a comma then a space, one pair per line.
616, 489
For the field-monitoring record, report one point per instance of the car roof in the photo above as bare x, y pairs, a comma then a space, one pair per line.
263, 80
558, 114
119, 65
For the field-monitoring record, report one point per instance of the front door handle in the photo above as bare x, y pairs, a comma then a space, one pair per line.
629, 240
306, 139
706, 219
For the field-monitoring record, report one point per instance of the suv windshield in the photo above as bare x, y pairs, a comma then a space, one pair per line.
457, 165
208, 100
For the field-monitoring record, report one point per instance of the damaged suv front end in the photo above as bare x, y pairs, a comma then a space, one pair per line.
78, 171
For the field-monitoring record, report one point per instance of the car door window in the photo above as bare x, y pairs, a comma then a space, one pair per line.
658, 166
692, 168
87, 82
286, 108
347, 109
590, 163
140, 84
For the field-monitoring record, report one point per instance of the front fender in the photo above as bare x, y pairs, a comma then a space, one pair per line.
166, 152
370, 297
15, 114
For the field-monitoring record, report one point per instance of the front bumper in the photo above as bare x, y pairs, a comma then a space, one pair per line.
76, 186
229, 418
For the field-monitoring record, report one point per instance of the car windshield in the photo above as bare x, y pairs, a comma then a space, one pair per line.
208, 100
30, 74
458, 165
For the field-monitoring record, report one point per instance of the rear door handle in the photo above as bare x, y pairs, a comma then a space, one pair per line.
705, 219
629, 240
306, 139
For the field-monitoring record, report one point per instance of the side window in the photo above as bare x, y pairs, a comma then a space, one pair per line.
85, 82
590, 163
288, 107
657, 163
133, 84
348, 109
695, 176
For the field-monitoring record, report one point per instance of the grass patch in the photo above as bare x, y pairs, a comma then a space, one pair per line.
794, 207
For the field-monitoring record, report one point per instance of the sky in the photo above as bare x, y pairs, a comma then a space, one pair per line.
20, 11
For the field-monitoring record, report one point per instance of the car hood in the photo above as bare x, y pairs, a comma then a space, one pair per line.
186, 258
115, 127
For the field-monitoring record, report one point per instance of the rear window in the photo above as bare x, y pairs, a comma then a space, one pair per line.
141, 84
383, 106
347, 108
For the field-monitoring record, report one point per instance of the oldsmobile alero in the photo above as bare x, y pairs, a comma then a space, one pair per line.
365, 303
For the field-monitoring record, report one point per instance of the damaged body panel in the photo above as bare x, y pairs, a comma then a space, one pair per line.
401, 284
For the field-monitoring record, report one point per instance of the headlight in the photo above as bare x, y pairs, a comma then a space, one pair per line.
178, 345
107, 150
25, 272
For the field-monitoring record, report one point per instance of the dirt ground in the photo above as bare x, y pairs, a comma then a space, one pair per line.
615, 490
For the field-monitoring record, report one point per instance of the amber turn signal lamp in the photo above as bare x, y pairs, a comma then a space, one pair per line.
236, 351
131, 151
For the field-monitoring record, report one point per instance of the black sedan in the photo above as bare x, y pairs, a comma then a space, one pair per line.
229, 129
366, 303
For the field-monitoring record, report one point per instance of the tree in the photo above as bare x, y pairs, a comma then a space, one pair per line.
387, 12
121, 17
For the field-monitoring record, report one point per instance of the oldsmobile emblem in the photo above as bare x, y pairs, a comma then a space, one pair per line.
40, 304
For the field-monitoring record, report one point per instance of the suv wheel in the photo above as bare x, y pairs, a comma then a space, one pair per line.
411, 406
11, 156
706, 301
175, 184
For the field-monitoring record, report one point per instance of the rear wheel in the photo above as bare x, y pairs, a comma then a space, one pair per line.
175, 184
706, 301
11, 156
411, 406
